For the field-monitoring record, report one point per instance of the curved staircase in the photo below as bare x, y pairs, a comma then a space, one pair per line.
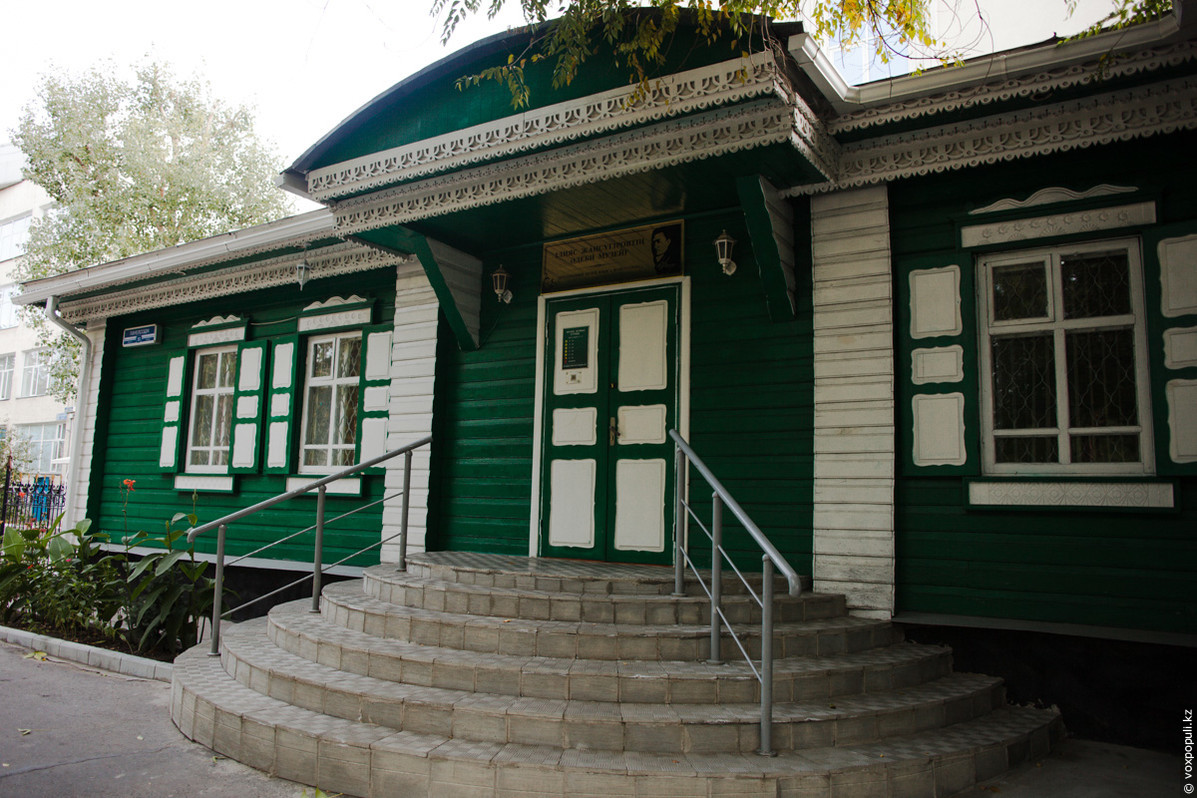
479, 675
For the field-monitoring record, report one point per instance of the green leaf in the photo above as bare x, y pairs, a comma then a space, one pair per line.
168, 561
59, 548
14, 544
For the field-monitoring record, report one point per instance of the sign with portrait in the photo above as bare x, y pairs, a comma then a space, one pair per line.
621, 256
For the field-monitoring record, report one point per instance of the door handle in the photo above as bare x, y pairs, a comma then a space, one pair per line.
613, 431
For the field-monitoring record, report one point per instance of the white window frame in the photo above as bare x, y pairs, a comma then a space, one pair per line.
44, 450
8, 368
14, 235
8, 309
332, 381
1055, 322
218, 391
35, 372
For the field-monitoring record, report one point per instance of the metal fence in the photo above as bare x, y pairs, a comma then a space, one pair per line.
30, 501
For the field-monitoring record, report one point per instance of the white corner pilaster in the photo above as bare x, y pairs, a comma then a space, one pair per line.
85, 414
854, 400
413, 368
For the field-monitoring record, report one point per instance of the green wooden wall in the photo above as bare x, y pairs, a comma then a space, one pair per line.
751, 408
130, 427
1115, 568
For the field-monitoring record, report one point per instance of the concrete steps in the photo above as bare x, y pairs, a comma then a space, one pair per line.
293, 628
476, 674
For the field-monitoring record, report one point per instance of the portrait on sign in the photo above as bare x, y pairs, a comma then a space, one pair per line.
620, 256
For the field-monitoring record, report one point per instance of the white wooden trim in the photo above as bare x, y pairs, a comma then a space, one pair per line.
1058, 224
1071, 494
1180, 347
412, 371
1178, 281
853, 535
204, 482
350, 486
1182, 421
230, 335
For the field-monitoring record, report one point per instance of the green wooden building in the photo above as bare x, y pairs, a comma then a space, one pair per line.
949, 366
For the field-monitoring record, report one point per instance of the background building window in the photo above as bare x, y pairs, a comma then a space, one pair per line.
35, 372
330, 402
45, 444
7, 365
14, 233
211, 410
8, 311
1064, 360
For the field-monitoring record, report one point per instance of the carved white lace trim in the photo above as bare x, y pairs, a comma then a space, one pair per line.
345, 258
1052, 195
1117, 116
1029, 86
683, 93
667, 144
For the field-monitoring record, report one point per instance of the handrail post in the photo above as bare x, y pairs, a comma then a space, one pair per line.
679, 520
766, 748
716, 576
217, 610
318, 554
403, 517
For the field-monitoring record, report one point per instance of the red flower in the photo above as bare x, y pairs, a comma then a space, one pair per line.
128, 483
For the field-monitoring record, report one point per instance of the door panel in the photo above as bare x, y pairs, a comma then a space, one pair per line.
611, 394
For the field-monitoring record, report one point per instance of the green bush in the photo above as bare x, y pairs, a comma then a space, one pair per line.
68, 582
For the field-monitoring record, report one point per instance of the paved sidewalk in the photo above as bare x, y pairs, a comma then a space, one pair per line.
99, 734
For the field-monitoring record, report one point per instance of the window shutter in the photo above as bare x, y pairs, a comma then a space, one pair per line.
247, 407
174, 414
281, 409
373, 397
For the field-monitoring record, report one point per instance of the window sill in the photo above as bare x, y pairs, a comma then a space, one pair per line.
350, 486
1062, 493
204, 483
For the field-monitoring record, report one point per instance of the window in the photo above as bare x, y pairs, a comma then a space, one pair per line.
45, 444
7, 363
8, 311
211, 410
35, 373
14, 233
1063, 360
330, 402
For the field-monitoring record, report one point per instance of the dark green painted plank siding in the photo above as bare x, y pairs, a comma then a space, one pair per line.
1100, 567
751, 408
130, 427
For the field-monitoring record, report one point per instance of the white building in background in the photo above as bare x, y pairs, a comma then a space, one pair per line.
26, 407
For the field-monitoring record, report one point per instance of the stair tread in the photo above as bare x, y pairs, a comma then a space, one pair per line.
249, 644
349, 594
297, 617
205, 677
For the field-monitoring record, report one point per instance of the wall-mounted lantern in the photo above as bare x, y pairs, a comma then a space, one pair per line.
301, 272
724, 245
499, 279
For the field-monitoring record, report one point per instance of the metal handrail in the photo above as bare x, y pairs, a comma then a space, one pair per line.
321, 487
771, 559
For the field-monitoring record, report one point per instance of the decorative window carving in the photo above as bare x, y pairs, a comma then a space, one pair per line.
1064, 360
